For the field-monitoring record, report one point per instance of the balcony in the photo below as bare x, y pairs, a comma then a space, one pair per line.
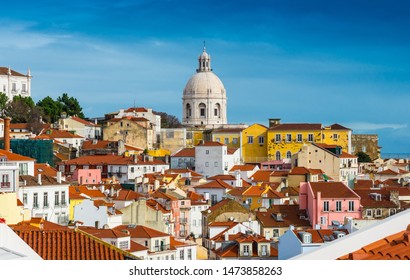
263, 253
5, 184
183, 220
161, 248
182, 233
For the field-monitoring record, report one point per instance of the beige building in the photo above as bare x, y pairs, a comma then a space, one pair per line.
81, 127
12, 209
173, 139
340, 166
366, 143
136, 132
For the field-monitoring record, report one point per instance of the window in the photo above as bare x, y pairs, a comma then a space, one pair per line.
207, 152
335, 136
215, 112
261, 140
310, 137
277, 138
369, 212
234, 140
63, 202
277, 155
288, 137
250, 139
61, 168
214, 199
181, 254
13, 87
45, 199
299, 137
132, 169
124, 245
245, 250
392, 211
188, 110
72, 168
351, 206
226, 141
35, 200
207, 164
23, 168
288, 154
378, 212
216, 164
202, 108
363, 149
218, 139
24, 199
338, 206
189, 254
326, 206
264, 250
323, 220
56, 199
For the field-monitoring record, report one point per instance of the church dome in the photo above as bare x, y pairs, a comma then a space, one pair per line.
204, 83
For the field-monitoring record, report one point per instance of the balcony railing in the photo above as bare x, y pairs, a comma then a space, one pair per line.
161, 248
5, 184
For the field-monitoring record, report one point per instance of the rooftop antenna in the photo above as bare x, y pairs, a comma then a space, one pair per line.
204, 46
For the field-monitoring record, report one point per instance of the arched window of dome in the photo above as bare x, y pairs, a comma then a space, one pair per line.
217, 110
277, 155
202, 110
188, 110
288, 154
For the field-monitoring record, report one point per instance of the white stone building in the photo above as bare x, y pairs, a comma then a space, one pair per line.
204, 99
214, 158
13, 83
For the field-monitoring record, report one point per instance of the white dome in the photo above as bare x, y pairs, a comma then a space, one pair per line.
204, 83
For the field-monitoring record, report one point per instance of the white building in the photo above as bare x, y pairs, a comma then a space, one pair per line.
13, 83
25, 164
81, 127
195, 217
46, 197
97, 213
204, 97
214, 158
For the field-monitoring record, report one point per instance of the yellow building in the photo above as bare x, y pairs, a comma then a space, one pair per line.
254, 143
231, 137
287, 139
12, 209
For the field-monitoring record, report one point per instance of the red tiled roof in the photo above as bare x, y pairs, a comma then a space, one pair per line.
222, 177
246, 167
44, 168
76, 191
392, 247
18, 126
318, 235
136, 109
209, 144
291, 215
14, 157
59, 134
80, 120
367, 198
186, 152
237, 191
153, 204
216, 184
128, 195
111, 159
69, 244
332, 190
231, 151
5, 70
346, 155
296, 126
104, 233
337, 126
99, 144
299, 171
136, 247
139, 231
363, 184
228, 130
387, 172
261, 176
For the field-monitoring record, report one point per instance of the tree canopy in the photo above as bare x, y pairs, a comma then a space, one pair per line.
363, 157
168, 121
64, 103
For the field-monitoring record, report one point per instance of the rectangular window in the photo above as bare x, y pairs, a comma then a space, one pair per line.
214, 199
124, 245
246, 250
56, 198
61, 168
250, 139
23, 87
351, 206
369, 213
13, 87
215, 112
323, 220
288, 137
189, 254
216, 164
72, 168
277, 138
299, 137
338, 206
335, 136
207, 152
264, 250
378, 212
310, 137
226, 141
181, 254
35, 200
261, 140
202, 112
45, 199
24, 199
207, 164
234, 140
326, 206
63, 202
218, 139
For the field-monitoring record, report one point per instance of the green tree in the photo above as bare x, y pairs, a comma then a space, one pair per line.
70, 106
52, 109
168, 121
363, 157
3, 103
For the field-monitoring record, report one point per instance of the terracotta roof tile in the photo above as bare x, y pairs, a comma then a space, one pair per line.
216, 184
222, 177
138, 231
4, 71
14, 157
80, 120
44, 168
247, 167
261, 176
296, 126
332, 190
291, 215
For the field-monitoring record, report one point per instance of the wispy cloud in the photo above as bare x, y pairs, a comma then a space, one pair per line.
365, 126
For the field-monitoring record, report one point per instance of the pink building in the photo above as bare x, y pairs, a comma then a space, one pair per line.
87, 176
329, 203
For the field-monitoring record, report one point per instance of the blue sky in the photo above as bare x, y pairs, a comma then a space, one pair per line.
301, 61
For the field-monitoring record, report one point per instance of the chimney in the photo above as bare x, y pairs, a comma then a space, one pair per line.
7, 134
59, 177
39, 179
226, 236
273, 122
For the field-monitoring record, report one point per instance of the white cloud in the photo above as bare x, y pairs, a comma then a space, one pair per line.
364, 126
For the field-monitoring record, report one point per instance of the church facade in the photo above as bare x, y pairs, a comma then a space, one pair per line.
204, 99
13, 83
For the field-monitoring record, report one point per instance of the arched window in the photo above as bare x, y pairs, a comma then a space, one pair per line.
202, 110
217, 110
288, 154
188, 110
277, 155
